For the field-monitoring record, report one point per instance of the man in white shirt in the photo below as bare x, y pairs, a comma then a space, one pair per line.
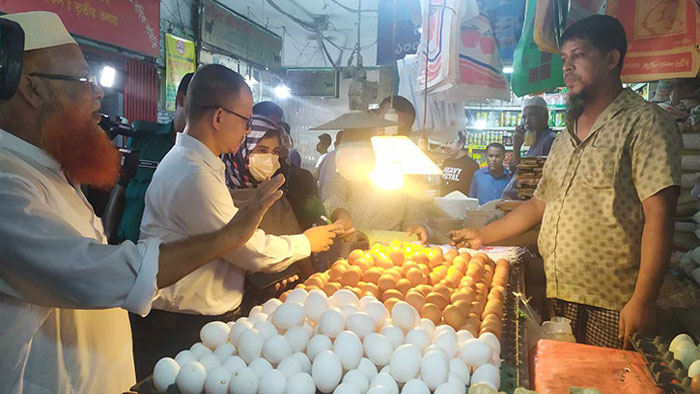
64, 293
188, 196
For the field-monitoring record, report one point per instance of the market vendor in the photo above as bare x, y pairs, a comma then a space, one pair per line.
188, 196
607, 197
64, 293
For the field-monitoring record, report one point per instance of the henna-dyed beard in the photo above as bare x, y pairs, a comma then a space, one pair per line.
82, 148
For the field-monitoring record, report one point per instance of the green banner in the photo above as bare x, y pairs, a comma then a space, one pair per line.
180, 60
534, 71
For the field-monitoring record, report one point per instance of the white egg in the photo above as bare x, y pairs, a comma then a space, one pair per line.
254, 310
273, 382
164, 373
428, 326
495, 361
244, 381
475, 353
270, 306
456, 379
344, 297
377, 312
260, 367
298, 296
459, 368
693, 370
386, 369
348, 348
488, 374
308, 328
210, 361
288, 315
451, 388
462, 336
419, 337
405, 363
349, 310
361, 323
346, 388
298, 338
290, 366
434, 369
214, 334
317, 344
300, 383
403, 315
394, 334
237, 330
491, 340
358, 379
444, 327
303, 361
415, 386
368, 368
436, 348
378, 349
380, 390
224, 351
332, 322
448, 341
384, 380
200, 350
217, 381
316, 303
230, 324
366, 300
678, 340
234, 363
326, 371
184, 357
276, 348
686, 354
190, 379
265, 328
250, 345
256, 317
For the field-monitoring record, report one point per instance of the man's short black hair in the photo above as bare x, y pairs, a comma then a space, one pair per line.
401, 104
461, 138
603, 32
184, 83
268, 109
212, 86
496, 145
325, 138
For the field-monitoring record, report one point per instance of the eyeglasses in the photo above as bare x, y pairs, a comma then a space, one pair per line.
89, 79
248, 121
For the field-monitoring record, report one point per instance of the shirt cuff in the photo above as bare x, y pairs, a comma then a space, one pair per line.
301, 246
145, 286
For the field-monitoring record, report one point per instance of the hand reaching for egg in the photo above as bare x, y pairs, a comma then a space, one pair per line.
419, 231
637, 316
467, 238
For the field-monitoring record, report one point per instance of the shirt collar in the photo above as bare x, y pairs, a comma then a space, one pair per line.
505, 172
626, 99
23, 148
200, 150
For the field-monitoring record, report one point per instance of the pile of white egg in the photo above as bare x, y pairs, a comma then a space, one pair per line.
336, 344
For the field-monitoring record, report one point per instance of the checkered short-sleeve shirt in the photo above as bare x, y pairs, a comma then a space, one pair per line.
592, 226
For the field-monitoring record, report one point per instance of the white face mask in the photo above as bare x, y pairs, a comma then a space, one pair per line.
263, 165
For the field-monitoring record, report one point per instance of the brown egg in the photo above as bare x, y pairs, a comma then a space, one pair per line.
315, 281
421, 258
416, 277
364, 264
396, 256
372, 275
407, 265
454, 317
330, 288
442, 289
463, 306
389, 304
461, 295
433, 278
369, 288
386, 282
481, 288
381, 260
424, 269
309, 288
355, 254
437, 299
403, 285
434, 258
494, 307
495, 294
415, 299
440, 271
492, 319
351, 276
283, 296
337, 271
424, 289
395, 272
451, 254
432, 313
477, 307
392, 293
460, 266
491, 326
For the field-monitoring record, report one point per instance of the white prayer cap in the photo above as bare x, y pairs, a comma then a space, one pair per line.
42, 29
534, 101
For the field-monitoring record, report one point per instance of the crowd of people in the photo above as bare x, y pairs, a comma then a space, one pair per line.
221, 196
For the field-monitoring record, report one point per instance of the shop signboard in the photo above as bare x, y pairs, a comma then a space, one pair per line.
130, 24
313, 82
231, 33
180, 60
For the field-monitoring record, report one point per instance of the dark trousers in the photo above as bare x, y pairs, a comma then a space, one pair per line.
164, 334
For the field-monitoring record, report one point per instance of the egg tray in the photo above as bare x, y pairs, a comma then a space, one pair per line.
514, 366
668, 373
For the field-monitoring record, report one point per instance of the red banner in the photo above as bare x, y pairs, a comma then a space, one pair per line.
130, 24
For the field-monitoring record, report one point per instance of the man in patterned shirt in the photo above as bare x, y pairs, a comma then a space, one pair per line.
607, 198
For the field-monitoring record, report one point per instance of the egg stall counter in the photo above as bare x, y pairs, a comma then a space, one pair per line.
398, 318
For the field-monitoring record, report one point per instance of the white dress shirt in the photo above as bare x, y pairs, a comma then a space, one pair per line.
188, 196
62, 289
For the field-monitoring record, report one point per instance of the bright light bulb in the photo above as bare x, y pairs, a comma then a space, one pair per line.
282, 91
107, 76
507, 70
386, 177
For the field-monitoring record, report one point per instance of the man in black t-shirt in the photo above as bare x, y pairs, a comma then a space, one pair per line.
458, 169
